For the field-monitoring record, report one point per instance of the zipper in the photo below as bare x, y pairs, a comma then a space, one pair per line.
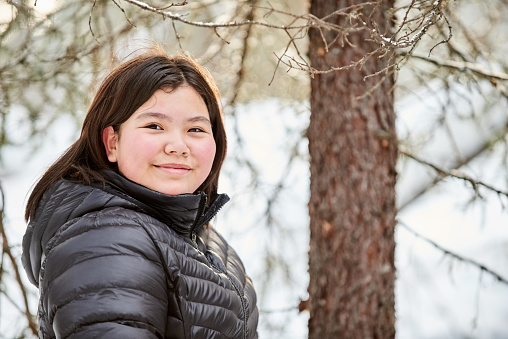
199, 214
201, 209
203, 219
194, 241
240, 295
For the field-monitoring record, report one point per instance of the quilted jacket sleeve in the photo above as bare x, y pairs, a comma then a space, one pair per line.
102, 277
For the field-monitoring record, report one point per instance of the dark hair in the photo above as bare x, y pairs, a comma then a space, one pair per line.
122, 92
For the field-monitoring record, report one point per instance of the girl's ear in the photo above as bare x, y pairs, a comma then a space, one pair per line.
110, 139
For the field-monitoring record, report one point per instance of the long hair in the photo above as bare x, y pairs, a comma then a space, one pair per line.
122, 92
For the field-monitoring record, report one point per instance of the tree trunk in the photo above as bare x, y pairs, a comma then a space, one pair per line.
353, 151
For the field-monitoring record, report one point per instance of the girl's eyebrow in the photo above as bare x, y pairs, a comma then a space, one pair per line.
163, 116
199, 118
156, 115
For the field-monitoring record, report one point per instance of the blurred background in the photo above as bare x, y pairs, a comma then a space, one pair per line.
451, 109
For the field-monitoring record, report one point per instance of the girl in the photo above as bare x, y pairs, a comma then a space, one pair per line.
118, 240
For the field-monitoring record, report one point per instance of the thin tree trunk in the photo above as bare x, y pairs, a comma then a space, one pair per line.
353, 151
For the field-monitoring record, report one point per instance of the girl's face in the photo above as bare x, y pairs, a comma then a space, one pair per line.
167, 144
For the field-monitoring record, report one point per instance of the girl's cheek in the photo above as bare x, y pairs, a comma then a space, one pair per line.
205, 153
144, 142
210, 150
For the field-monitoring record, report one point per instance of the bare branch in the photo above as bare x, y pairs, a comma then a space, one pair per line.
448, 37
123, 11
90, 21
12, 301
183, 3
459, 257
270, 202
240, 78
444, 172
435, 15
462, 66
178, 17
177, 35
454, 173
354, 21
7, 250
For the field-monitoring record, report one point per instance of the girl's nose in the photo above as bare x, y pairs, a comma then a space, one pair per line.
176, 145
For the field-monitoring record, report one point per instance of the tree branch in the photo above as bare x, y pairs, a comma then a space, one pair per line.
461, 66
454, 173
7, 250
444, 172
178, 17
482, 267
430, 17
434, 15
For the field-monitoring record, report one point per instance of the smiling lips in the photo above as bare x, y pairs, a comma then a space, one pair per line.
178, 169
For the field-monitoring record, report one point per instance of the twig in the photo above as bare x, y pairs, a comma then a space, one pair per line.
124, 13
435, 15
177, 35
482, 267
180, 4
355, 23
178, 17
7, 250
455, 174
240, 78
462, 66
90, 22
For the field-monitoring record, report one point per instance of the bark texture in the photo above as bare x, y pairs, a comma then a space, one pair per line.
353, 151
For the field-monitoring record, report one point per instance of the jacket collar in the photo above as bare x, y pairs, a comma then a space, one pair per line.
184, 213
66, 200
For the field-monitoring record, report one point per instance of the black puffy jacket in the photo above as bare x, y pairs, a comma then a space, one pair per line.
123, 261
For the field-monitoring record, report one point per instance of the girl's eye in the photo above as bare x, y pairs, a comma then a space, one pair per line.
196, 129
153, 126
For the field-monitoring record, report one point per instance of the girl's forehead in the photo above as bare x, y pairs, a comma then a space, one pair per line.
177, 100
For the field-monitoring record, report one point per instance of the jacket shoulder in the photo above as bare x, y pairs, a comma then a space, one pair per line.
99, 268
